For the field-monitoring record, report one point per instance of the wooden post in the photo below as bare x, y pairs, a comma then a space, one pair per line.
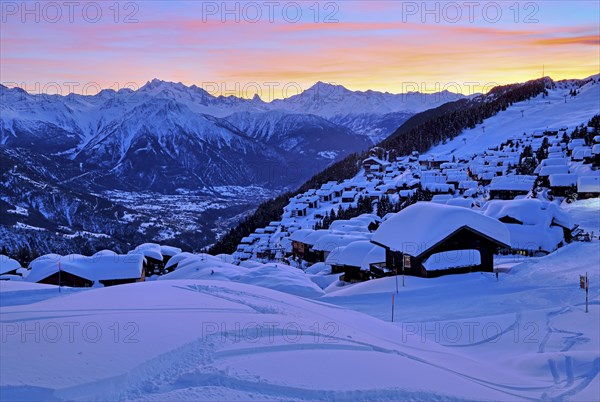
392, 307
59, 271
587, 287
396, 279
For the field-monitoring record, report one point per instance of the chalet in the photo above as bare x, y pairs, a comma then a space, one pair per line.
349, 260
312, 201
562, 161
298, 210
306, 245
440, 239
270, 229
546, 171
298, 247
153, 258
437, 188
575, 143
580, 154
174, 261
562, 184
81, 271
535, 226
374, 164
509, 187
595, 161
8, 266
168, 252
588, 186
349, 196
325, 195
326, 244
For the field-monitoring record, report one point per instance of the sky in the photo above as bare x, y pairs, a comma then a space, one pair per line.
278, 48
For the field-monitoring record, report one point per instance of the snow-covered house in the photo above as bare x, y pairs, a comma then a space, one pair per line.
80, 271
588, 186
429, 232
349, 260
534, 225
562, 183
508, 187
153, 259
374, 164
8, 266
326, 244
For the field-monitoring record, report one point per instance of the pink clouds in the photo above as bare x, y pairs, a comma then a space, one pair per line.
368, 48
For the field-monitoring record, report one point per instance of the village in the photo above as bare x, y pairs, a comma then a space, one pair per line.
419, 215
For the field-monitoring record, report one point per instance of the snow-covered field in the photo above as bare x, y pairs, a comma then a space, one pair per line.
468, 337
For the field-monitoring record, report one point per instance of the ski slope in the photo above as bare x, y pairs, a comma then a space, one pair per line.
539, 113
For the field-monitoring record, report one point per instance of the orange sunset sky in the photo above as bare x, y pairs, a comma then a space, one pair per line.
244, 48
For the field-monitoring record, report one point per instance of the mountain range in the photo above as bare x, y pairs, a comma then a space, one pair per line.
61, 154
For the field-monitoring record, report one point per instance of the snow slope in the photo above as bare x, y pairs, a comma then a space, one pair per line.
176, 338
539, 113
467, 337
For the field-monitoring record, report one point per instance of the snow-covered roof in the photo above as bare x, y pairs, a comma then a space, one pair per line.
150, 250
7, 264
553, 169
588, 184
105, 252
513, 183
376, 255
531, 237
441, 198
421, 226
563, 180
461, 202
169, 250
97, 268
177, 258
314, 236
353, 254
529, 211
377, 161
332, 240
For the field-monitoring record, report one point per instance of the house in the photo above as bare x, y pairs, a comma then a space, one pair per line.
588, 186
374, 164
79, 271
299, 210
168, 252
8, 266
326, 244
562, 184
303, 240
153, 258
535, 226
437, 239
546, 171
349, 196
349, 260
509, 187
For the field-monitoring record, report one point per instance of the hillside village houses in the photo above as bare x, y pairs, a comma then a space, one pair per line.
431, 214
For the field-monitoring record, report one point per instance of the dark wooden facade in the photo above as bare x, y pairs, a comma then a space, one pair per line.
506, 194
462, 239
67, 279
